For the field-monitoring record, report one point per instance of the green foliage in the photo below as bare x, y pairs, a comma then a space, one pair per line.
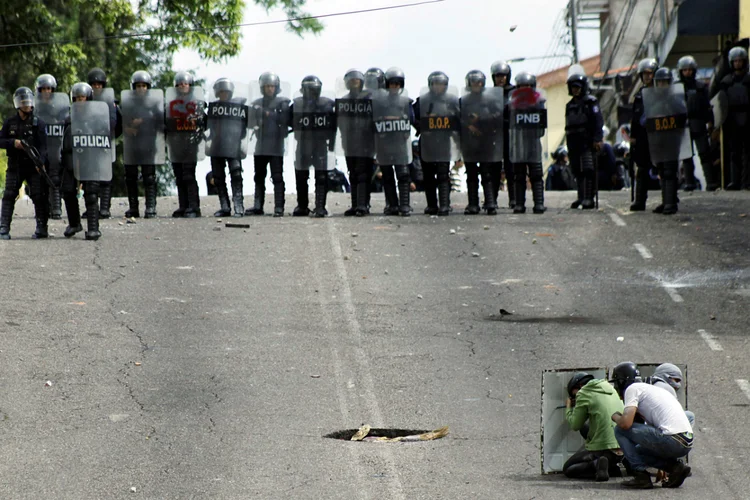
90, 33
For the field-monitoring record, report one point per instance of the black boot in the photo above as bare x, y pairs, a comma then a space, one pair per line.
6, 216
258, 200
150, 190
537, 191
391, 199
181, 201
579, 185
641, 192
105, 200
640, 481
193, 210
278, 201
41, 230
589, 192
74, 215
238, 199
444, 198
55, 208
510, 178
689, 170
352, 211
41, 211
362, 196
303, 200
473, 193
224, 209
133, 210
520, 194
490, 203
321, 193
92, 216
669, 196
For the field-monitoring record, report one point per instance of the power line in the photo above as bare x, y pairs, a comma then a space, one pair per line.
214, 28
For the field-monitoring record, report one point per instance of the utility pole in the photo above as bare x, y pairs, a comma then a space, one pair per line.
573, 11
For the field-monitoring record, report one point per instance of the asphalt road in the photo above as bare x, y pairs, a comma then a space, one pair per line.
191, 360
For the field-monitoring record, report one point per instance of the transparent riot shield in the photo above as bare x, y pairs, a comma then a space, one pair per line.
482, 126
720, 104
107, 95
53, 108
269, 120
91, 141
392, 116
559, 443
439, 126
185, 120
354, 120
314, 138
665, 111
143, 127
528, 122
228, 118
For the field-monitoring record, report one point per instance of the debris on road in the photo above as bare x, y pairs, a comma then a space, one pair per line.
419, 296
238, 226
48, 383
620, 339
362, 435
453, 231
475, 254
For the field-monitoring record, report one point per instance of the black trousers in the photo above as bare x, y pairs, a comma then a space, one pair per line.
38, 192
582, 465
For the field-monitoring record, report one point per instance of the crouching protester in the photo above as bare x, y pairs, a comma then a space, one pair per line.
592, 400
669, 377
659, 443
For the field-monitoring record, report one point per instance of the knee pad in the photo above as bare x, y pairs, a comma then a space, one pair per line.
236, 175
402, 173
536, 173
235, 166
277, 176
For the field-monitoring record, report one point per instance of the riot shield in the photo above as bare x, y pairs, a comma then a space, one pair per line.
482, 126
354, 120
270, 119
107, 95
665, 111
91, 141
559, 443
227, 124
185, 119
392, 115
720, 104
528, 121
143, 127
314, 125
439, 126
53, 109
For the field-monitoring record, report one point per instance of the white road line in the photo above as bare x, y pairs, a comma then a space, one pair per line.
745, 386
617, 219
643, 251
673, 293
710, 340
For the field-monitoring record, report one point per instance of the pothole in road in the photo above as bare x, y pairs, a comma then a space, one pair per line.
368, 434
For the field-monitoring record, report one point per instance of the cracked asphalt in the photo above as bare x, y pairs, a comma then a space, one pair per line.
191, 360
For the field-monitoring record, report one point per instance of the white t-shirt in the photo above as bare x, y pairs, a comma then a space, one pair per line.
658, 408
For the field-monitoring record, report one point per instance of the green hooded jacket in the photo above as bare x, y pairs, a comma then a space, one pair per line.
596, 402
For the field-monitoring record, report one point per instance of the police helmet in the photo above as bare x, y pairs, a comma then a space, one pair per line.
395, 75
623, 375
670, 373
663, 75
81, 89
474, 76
525, 79
738, 53
97, 75
647, 64
45, 80
183, 77
374, 79
354, 74
578, 380
311, 87
580, 81
500, 68
23, 96
415, 149
270, 78
141, 76
437, 77
224, 85
559, 153
687, 62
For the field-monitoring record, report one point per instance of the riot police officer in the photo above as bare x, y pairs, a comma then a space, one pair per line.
24, 126
639, 148
501, 73
482, 137
97, 79
393, 117
528, 121
374, 79
701, 120
185, 123
737, 125
143, 125
354, 119
314, 124
436, 114
52, 107
583, 131
269, 117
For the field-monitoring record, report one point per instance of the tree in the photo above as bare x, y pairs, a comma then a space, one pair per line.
120, 38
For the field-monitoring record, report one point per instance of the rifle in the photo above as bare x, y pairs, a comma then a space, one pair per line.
36, 158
